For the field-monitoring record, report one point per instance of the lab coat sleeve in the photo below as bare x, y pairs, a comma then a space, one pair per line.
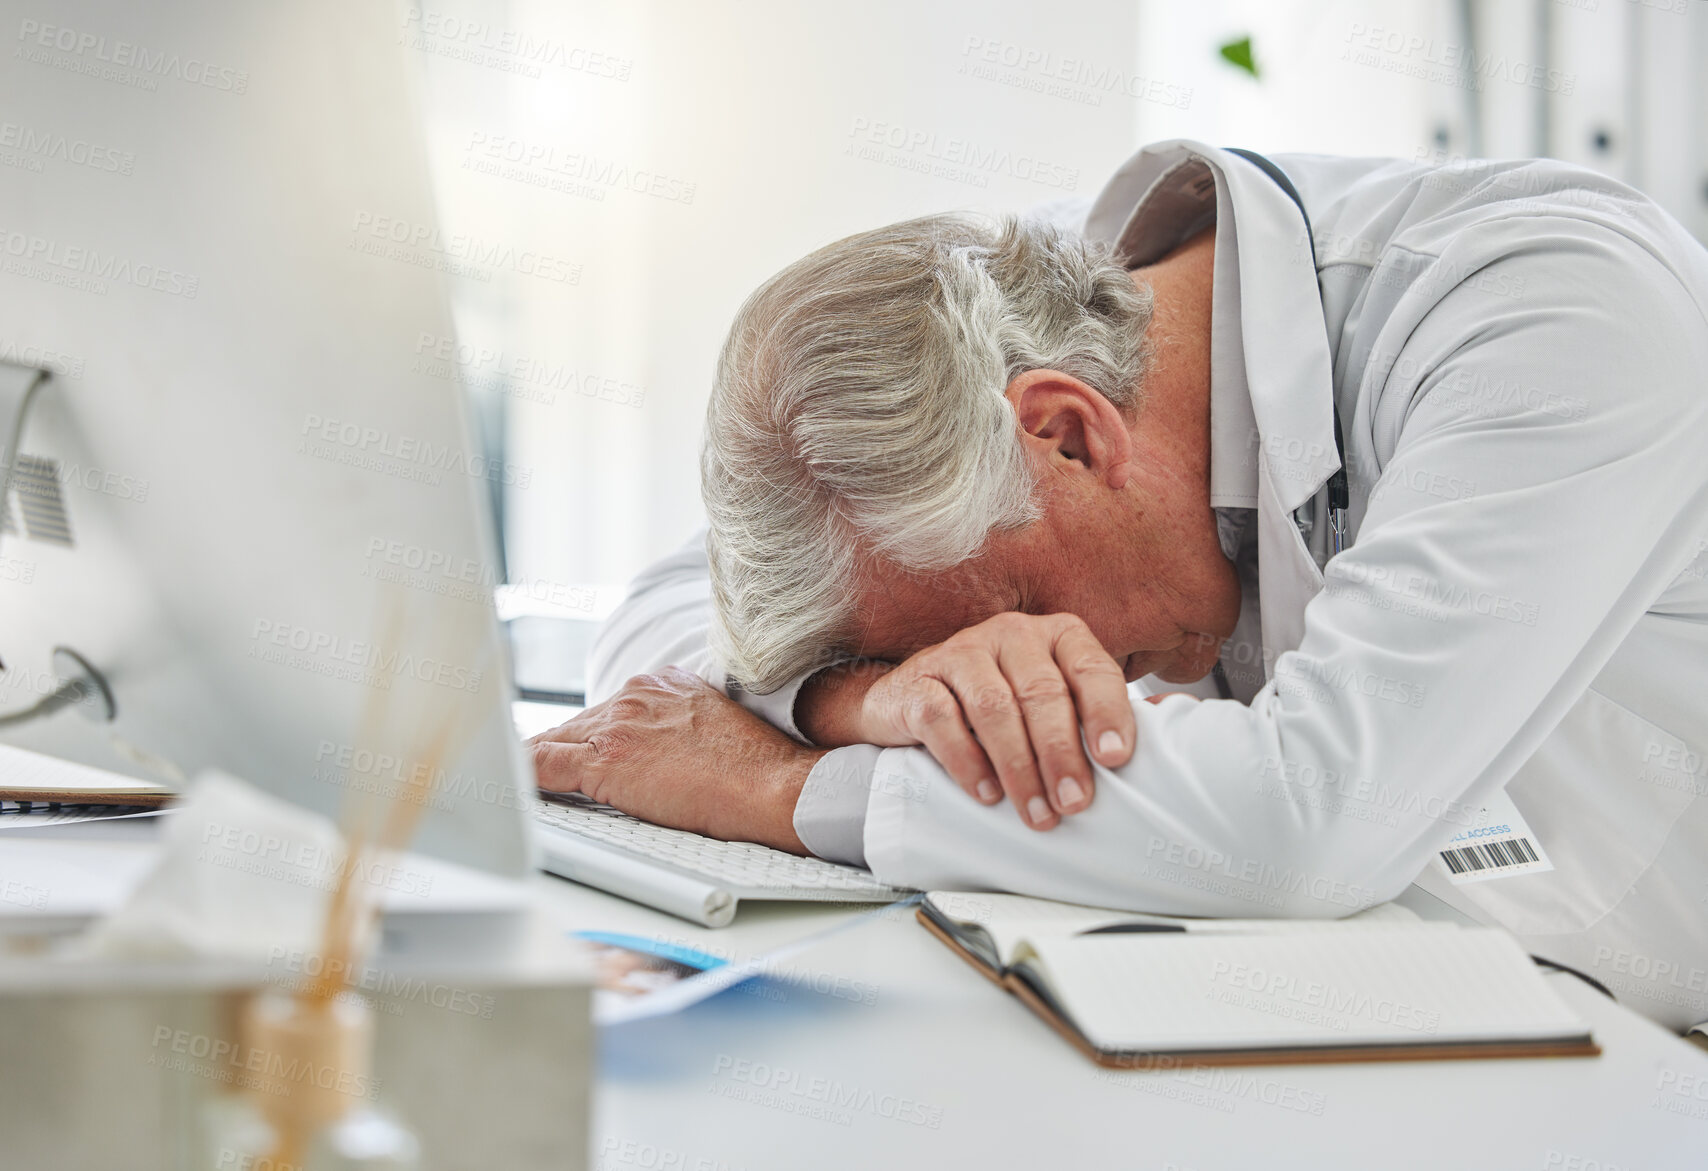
830, 814
1509, 544
666, 621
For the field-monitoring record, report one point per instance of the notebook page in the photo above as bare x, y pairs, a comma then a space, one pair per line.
33, 773
1218, 991
1014, 920
1011, 919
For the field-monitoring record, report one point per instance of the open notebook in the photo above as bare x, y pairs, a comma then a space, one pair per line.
1135, 991
29, 779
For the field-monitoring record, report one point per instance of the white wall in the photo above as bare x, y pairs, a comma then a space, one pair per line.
753, 118
767, 111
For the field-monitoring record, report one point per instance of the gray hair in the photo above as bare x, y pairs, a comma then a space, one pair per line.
858, 411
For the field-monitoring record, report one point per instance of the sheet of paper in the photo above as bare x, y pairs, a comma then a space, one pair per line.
13, 816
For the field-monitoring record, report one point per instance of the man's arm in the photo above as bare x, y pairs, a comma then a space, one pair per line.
1001, 703
665, 621
669, 748
1412, 698
805, 801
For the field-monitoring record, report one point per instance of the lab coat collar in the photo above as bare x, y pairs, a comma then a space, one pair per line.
1271, 404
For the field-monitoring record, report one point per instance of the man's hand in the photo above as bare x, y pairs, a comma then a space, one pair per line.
1001, 704
672, 750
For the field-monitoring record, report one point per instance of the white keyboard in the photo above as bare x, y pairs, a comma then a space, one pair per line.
696, 877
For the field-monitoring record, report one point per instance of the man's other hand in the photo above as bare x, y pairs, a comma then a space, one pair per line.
1000, 706
670, 749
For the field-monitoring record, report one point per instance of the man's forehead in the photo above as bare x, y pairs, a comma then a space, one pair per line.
899, 612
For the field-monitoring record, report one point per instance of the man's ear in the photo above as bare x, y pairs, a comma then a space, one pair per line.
1066, 420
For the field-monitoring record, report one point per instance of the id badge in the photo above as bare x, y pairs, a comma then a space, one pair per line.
1499, 845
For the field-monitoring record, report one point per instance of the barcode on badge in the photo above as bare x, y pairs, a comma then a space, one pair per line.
1483, 859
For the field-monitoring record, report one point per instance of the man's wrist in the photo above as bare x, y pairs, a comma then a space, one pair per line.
770, 820
830, 705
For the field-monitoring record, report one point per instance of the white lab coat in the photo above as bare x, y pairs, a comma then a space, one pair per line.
1520, 356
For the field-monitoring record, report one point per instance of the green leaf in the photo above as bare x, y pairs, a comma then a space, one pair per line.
1238, 54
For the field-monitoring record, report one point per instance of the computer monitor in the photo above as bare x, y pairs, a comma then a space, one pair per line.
281, 554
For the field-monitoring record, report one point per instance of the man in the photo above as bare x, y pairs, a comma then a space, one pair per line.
964, 480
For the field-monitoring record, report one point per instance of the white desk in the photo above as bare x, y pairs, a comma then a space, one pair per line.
886, 1020
877, 1047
